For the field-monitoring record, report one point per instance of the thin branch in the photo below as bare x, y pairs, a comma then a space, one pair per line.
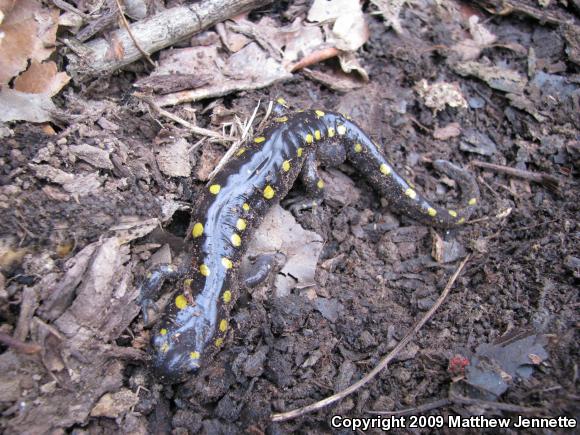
154, 33
61, 4
18, 345
194, 129
316, 57
128, 28
550, 181
384, 362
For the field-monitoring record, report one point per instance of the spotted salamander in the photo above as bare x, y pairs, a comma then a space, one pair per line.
259, 173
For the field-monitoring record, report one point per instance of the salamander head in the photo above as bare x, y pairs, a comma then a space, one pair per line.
178, 348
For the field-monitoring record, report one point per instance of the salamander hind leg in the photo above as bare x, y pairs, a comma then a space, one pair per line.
312, 183
261, 267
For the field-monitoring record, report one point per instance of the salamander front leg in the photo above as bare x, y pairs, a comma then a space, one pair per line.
314, 187
262, 266
150, 286
280, 107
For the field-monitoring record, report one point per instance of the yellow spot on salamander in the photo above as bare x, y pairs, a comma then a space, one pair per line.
259, 139
219, 342
215, 188
194, 355
317, 135
241, 224
165, 347
357, 147
384, 168
319, 113
320, 184
282, 101
187, 283
431, 212
331, 132
227, 297
461, 221
236, 240
341, 129
204, 270
452, 213
309, 138
472, 201
246, 206
180, 302
269, 192
197, 230
227, 263
411, 193
240, 152
163, 331
286, 165
223, 325
299, 152
281, 119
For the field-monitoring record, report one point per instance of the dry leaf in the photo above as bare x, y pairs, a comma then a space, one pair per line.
29, 33
19, 106
279, 232
350, 30
470, 48
390, 10
41, 78
330, 10
249, 68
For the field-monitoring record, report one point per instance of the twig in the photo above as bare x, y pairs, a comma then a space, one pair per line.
384, 362
28, 306
234, 148
61, 4
550, 181
126, 24
316, 57
18, 345
155, 33
194, 129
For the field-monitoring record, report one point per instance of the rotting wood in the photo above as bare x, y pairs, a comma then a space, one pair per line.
153, 34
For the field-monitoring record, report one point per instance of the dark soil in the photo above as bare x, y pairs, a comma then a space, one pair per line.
284, 353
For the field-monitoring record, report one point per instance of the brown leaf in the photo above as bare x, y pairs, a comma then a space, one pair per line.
29, 33
41, 78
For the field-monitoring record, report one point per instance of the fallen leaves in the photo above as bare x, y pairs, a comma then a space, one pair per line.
470, 48
24, 107
261, 53
41, 78
349, 31
29, 33
502, 79
28, 36
279, 232
495, 367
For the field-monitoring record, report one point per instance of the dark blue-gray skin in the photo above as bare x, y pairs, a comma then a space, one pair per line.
259, 174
